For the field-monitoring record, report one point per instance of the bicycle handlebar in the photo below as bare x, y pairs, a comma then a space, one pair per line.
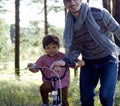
52, 78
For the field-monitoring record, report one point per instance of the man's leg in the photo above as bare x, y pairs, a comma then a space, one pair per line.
108, 78
88, 82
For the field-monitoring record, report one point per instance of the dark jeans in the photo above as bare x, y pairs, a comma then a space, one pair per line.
46, 87
103, 70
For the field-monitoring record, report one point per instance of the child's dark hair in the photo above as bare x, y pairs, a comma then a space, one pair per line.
50, 39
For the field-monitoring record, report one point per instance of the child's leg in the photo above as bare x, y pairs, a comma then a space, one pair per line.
64, 96
45, 88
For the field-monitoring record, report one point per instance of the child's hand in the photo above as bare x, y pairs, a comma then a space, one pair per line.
31, 67
79, 63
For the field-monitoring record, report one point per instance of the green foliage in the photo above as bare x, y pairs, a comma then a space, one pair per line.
31, 39
2, 9
25, 91
31, 42
73, 96
18, 93
37, 1
5, 43
117, 94
57, 31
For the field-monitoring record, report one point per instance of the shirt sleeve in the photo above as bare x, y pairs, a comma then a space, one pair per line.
111, 23
72, 54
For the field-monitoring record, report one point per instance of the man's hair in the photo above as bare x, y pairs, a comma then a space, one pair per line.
50, 39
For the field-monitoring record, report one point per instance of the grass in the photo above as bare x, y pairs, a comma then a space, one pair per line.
25, 90
14, 92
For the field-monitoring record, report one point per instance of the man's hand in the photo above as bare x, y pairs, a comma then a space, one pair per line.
79, 63
56, 65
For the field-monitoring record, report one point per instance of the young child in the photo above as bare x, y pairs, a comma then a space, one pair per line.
51, 46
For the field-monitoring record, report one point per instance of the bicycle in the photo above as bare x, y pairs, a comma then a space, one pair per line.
57, 99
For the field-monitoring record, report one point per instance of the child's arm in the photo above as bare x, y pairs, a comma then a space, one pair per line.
31, 67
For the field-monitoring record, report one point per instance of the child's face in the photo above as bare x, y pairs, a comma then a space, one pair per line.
51, 49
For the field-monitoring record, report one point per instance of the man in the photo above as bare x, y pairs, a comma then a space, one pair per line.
89, 31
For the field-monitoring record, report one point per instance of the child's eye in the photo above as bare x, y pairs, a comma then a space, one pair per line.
47, 47
54, 47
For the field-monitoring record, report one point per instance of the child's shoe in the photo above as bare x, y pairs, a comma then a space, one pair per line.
45, 104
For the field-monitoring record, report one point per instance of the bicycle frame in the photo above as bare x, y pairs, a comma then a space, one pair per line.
57, 101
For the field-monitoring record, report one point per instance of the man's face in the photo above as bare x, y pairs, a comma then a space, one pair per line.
73, 5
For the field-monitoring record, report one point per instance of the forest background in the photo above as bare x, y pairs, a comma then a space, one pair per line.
20, 88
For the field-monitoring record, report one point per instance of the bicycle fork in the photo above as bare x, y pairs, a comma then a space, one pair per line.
56, 98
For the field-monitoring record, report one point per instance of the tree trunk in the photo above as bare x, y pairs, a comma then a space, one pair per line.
116, 10
17, 4
65, 13
106, 4
116, 15
45, 15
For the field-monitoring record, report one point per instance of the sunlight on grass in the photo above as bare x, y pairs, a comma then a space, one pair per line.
25, 90
14, 92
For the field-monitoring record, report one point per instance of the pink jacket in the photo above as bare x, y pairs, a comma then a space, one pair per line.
45, 61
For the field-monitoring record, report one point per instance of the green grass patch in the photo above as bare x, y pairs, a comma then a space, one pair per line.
25, 90
19, 93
